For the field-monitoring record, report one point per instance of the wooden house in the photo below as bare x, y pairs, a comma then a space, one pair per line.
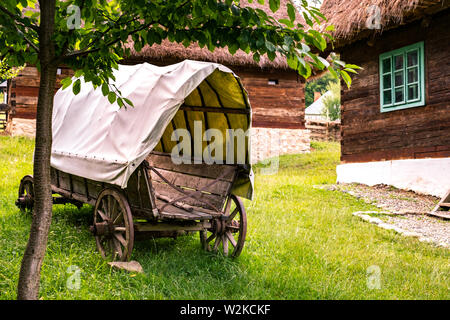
276, 92
396, 115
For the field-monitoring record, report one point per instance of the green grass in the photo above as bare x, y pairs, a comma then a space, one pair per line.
303, 243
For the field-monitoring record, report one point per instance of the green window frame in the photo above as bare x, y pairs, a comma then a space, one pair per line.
402, 78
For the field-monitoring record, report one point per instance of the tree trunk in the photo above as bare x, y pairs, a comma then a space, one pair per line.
30, 271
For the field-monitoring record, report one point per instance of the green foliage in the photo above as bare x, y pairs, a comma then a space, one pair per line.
302, 243
319, 85
6, 72
332, 103
95, 48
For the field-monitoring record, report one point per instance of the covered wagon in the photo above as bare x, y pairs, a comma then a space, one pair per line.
177, 161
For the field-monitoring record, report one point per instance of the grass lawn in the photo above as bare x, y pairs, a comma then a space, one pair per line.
302, 243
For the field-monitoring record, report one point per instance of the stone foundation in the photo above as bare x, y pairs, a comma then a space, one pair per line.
270, 142
21, 127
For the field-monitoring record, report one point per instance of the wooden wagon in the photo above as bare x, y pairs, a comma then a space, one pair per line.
153, 195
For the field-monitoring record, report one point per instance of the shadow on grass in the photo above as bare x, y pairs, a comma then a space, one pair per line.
172, 257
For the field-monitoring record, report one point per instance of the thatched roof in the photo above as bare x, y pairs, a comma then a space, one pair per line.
171, 52
351, 18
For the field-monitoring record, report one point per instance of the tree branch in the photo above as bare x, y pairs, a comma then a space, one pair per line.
28, 40
16, 20
84, 51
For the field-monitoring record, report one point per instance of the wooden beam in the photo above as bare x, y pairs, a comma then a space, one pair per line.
142, 227
214, 109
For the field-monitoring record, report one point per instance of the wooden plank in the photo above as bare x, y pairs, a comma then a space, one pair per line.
178, 213
161, 226
167, 191
215, 110
193, 182
164, 161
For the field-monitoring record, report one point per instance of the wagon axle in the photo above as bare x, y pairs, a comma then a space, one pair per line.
105, 228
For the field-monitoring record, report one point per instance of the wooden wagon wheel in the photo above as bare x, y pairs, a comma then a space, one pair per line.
229, 230
113, 225
25, 200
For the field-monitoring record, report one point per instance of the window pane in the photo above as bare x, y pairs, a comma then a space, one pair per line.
399, 95
413, 58
413, 92
398, 62
387, 81
387, 97
387, 65
413, 75
398, 78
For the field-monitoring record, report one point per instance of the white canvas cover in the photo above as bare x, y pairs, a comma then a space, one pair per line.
100, 141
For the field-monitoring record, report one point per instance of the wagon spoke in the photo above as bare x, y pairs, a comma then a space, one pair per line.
117, 247
231, 238
233, 214
211, 237
118, 218
216, 244
108, 204
225, 245
103, 215
113, 209
121, 239
120, 229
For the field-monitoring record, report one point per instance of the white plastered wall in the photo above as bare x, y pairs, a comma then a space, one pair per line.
427, 176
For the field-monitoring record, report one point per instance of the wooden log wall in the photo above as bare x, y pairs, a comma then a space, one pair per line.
322, 130
420, 132
24, 90
277, 98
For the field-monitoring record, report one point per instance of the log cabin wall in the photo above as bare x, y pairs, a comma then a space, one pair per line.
24, 90
420, 132
277, 98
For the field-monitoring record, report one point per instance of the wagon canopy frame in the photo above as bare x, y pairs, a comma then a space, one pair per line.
99, 141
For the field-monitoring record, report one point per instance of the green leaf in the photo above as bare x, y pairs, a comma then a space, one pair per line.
291, 11
274, 5
105, 89
76, 87
333, 72
346, 78
350, 70
352, 66
128, 101
286, 22
66, 82
120, 102
111, 97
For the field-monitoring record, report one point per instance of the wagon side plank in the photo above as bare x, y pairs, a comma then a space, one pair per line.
213, 171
